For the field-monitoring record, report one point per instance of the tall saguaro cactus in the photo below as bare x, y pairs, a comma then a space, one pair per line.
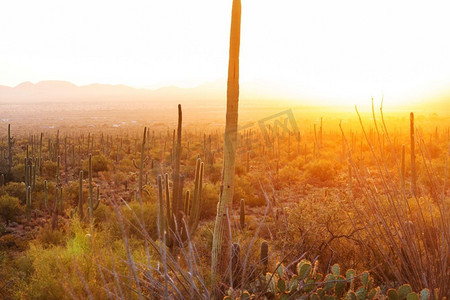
221, 243
413, 156
177, 201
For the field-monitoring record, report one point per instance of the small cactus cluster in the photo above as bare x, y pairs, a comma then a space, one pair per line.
92, 203
405, 292
178, 214
7, 153
190, 208
307, 283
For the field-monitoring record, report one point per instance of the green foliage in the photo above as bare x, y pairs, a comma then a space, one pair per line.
47, 237
16, 189
319, 171
100, 163
210, 194
18, 172
10, 208
49, 168
308, 284
247, 188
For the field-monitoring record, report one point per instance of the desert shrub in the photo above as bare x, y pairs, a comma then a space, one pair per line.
244, 188
18, 172
7, 241
213, 173
48, 237
132, 215
84, 266
99, 163
71, 193
119, 178
49, 168
287, 176
210, 198
319, 170
10, 208
319, 226
16, 189
102, 215
126, 165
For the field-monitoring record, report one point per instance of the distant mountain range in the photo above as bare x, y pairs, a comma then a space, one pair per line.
208, 95
52, 91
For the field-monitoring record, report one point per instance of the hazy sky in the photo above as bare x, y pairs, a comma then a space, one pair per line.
336, 49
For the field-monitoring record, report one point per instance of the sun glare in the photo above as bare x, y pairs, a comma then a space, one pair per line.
321, 52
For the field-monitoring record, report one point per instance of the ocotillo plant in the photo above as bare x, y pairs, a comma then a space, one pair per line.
220, 253
160, 213
235, 264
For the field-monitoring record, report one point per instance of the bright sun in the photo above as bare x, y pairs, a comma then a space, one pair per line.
324, 52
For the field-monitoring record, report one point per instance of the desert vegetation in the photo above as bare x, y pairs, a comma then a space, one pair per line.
323, 208
335, 211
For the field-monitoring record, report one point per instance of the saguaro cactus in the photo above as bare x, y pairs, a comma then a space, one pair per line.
403, 169
28, 212
141, 165
220, 253
242, 214
40, 155
413, 156
7, 154
80, 196
92, 206
177, 197
264, 259
190, 209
